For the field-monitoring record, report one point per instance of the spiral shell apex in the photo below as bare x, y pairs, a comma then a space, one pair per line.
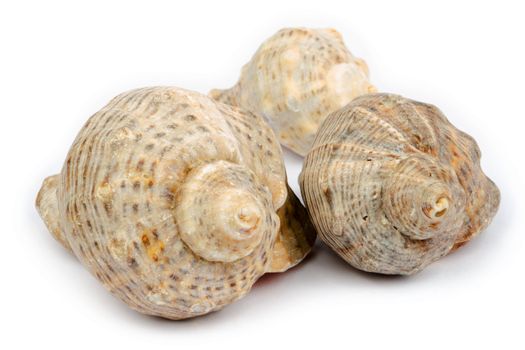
295, 79
392, 186
172, 201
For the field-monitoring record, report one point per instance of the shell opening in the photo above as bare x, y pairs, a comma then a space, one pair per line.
221, 211
435, 201
439, 208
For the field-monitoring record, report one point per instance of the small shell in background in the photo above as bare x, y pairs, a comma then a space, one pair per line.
174, 202
295, 79
391, 185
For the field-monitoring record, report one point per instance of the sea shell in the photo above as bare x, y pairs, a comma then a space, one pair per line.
392, 186
172, 201
295, 79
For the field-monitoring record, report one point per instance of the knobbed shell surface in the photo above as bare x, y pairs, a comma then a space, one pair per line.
392, 186
172, 201
295, 79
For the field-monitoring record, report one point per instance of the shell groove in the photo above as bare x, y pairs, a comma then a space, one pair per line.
171, 200
392, 186
295, 79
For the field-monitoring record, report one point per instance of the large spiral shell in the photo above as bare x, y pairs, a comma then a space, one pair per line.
392, 186
172, 201
295, 79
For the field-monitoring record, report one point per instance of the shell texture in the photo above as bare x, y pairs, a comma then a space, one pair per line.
391, 185
295, 79
172, 201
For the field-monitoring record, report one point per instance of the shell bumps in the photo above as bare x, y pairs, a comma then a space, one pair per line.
175, 202
295, 79
392, 186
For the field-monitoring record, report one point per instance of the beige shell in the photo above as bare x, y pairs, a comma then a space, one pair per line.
392, 186
295, 79
172, 201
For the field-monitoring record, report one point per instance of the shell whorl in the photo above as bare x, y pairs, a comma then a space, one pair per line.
418, 198
295, 79
171, 200
392, 186
222, 212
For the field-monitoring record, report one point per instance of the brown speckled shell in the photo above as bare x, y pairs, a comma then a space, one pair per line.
295, 79
392, 186
172, 201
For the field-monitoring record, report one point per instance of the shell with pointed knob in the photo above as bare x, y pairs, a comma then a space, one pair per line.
391, 185
295, 79
175, 202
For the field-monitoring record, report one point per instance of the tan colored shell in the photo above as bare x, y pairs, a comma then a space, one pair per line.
172, 201
295, 79
392, 186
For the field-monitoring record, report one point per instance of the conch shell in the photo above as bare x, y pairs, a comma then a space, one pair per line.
175, 202
295, 79
392, 186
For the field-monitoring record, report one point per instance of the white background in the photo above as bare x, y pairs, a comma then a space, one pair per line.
60, 62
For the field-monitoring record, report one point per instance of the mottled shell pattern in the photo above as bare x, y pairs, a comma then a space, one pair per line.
295, 79
175, 202
391, 185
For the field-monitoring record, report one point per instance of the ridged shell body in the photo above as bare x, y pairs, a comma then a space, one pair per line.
172, 201
295, 79
392, 186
